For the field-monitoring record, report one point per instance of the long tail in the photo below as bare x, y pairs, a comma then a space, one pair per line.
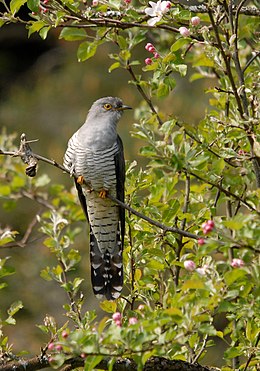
106, 269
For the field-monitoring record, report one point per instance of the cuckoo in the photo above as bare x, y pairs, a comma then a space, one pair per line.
95, 156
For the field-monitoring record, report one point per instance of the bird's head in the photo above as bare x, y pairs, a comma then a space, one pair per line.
108, 108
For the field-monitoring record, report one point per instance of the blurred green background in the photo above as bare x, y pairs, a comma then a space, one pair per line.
46, 93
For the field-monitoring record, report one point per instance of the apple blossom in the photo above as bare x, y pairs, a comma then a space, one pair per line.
237, 263
201, 271
117, 316
156, 55
189, 265
132, 320
195, 21
184, 31
157, 11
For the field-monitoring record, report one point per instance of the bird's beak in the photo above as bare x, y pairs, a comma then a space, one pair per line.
124, 107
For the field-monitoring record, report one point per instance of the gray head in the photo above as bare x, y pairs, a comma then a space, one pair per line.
107, 108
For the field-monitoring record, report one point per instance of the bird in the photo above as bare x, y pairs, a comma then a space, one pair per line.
95, 157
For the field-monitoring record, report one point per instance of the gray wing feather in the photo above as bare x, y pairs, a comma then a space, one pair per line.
120, 185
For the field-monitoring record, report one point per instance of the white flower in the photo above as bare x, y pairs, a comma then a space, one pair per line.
157, 11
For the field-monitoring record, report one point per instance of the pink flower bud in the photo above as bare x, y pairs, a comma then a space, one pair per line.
148, 46
211, 223
132, 320
207, 229
201, 241
58, 347
151, 49
148, 61
64, 334
156, 55
237, 263
94, 2
127, 1
195, 21
83, 355
189, 265
51, 346
118, 323
140, 307
168, 5
184, 31
117, 316
208, 226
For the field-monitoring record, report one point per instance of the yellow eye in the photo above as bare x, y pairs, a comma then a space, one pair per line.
107, 106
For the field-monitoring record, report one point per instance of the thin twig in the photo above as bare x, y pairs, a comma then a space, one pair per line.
23, 242
256, 55
143, 94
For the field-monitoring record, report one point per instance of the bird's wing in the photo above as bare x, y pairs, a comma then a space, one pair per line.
69, 158
82, 199
120, 185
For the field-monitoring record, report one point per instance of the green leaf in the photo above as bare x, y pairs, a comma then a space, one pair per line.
234, 275
86, 50
108, 306
193, 284
72, 34
236, 223
33, 5
181, 68
155, 265
163, 90
15, 5
36, 27
6, 271
14, 308
125, 55
91, 362
5, 190
44, 32
42, 181
233, 352
46, 275
179, 44
114, 66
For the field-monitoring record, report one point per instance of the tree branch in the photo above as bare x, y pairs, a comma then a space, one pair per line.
120, 203
153, 364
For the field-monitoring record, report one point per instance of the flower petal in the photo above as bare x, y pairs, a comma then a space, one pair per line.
153, 21
150, 12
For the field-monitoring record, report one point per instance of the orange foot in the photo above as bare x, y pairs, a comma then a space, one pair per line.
103, 193
80, 179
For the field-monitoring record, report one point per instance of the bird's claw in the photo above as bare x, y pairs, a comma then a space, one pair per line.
103, 193
80, 179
